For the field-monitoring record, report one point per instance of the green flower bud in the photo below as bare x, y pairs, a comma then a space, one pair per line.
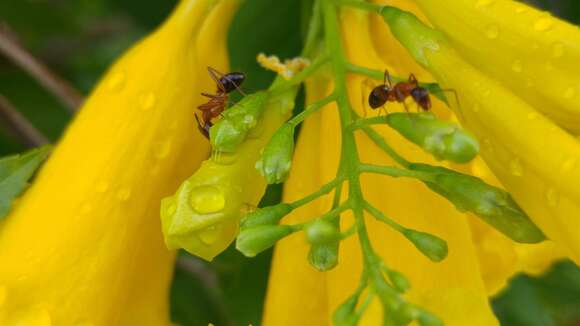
345, 314
444, 140
493, 205
277, 156
228, 133
324, 257
270, 215
253, 241
399, 281
408, 312
431, 246
321, 231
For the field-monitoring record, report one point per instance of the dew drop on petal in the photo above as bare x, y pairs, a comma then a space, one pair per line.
533, 115
487, 145
247, 208
483, 3
552, 197
101, 186
163, 149
569, 92
147, 100
207, 199
123, 194
86, 208
517, 66
516, 167
116, 81
492, 31
557, 50
568, 165
543, 24
3, 295
476, 107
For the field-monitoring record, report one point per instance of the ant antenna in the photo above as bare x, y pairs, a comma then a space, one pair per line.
387, 77
216, 75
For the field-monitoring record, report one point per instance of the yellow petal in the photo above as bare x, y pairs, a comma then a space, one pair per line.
84, 246
531, 52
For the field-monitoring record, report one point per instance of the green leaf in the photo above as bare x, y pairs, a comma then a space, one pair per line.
15, 171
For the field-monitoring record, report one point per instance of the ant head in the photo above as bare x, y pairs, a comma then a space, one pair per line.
421, 96
232, 81
378, 96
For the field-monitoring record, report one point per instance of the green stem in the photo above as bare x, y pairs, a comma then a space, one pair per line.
311, 109
396, 172
382, 144
320, 192
383, 218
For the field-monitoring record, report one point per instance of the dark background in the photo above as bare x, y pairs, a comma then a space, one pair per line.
79, 39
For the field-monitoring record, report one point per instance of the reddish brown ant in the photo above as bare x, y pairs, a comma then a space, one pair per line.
226, 83
399, 92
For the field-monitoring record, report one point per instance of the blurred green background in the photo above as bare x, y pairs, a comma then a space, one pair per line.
79, 39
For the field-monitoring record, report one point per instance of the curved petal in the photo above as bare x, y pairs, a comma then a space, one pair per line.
83, 246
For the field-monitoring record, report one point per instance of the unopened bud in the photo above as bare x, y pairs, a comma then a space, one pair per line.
399, 281
428, 319
321, 231
495, 206
270, 215
253, 241
236, 122
444, 140
324, 257
277, 156
431, 246
345, 314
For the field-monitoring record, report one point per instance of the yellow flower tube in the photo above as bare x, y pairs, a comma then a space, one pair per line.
532, 157
83, 246
531, 52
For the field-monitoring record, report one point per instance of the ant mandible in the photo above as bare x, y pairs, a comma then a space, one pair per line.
226, 83
399, 92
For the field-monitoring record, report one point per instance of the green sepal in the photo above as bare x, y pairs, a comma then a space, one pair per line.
324, 257
493, 205
276, 158
444, 140
231, 130
15, 171
270, 215
345, 314
428, 319
253, 241
431, 246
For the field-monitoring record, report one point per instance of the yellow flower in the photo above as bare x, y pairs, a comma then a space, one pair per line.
481, 259
83, 246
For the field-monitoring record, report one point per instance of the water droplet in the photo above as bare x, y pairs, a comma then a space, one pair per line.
568, 166
123, 194
86, 208
492, 31
147, 100
476, 108
223, 158
557, 50
486, 92
516, 167
247, 208
529, 83
163, 149
569, 92
155, 170
483, 3
101, 186
543, 24
487, 145
552, 197
517, 66
533, 115
116, 81
549, 66
207, 199
210, 234
171, 209
535, 46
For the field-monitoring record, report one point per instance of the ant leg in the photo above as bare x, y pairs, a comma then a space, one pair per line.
209, 95
204, 129
384, 109
386, 78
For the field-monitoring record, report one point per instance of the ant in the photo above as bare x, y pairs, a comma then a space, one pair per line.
399, 92
226, 83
